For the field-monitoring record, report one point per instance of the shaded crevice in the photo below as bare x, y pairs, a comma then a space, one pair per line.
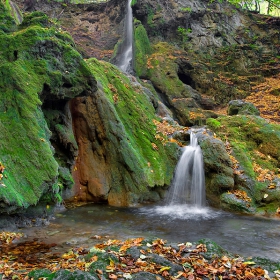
58, 104
186, 79
67, 85
45, 92
15, 55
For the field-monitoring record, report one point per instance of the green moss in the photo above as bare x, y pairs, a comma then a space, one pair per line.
162, 71
213, 123
35, 18
27, 154
255, 144
7, 22
32, 60
142, 153
142, 49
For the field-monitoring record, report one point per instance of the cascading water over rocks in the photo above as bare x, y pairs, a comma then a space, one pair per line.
125, 60
188, 186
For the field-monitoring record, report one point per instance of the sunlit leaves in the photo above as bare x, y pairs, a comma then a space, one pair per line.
241, 195
8, 237
266, 97
189, 257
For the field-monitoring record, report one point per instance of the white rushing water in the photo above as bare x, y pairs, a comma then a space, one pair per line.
188, 186
125, 59
186, 197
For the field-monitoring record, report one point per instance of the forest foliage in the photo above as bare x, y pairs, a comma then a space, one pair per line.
270, 7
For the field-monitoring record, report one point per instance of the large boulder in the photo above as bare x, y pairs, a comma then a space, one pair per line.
253, 145
240, 107
121, 160
40, 71
219, 176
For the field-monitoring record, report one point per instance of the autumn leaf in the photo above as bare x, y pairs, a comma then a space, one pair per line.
164, 268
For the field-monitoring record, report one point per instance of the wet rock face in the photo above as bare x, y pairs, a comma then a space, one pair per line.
92, 169
219, 176
200, 19
206, 34
120, 160
40, 73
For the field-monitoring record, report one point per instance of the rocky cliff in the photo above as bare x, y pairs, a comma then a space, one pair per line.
192, 58
56, 119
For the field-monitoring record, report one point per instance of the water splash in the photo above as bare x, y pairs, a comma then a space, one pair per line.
125, 59
188, 186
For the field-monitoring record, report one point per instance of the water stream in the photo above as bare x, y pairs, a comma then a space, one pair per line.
188, 186
184, 218
243, 235
125, 59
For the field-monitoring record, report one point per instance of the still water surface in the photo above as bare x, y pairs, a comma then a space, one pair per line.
239, 234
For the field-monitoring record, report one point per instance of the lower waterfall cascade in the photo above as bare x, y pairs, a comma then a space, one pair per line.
188, 186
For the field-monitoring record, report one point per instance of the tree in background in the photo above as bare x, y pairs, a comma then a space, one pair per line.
270, 7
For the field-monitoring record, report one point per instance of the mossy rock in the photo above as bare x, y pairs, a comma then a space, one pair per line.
62, 274
146, 275
142, 49
138, 160
103, 260
232, 203
219, 175
36, 18
240, 107
169, 74
7, 22
213, 249
254, 145
39, 273
38, 67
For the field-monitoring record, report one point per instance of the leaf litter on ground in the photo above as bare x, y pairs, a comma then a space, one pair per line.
20, 258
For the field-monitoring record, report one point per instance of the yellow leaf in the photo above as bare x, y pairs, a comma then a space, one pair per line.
272, 187
112, 263
249, 263
164, 268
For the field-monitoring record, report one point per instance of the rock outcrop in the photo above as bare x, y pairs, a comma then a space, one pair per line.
40, 73
120, 159
253, 146
194, 56
240, 107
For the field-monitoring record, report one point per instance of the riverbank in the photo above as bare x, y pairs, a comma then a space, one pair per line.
136, 258
80, 238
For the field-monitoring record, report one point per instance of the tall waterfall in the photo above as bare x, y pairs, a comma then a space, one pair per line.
125, 59
188, 186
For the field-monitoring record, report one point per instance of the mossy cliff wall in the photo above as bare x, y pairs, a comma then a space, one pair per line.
120, 160
46, 87
253, 146
39, 68
201, 56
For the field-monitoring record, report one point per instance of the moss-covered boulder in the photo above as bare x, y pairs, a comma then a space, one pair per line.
142, 49
253, 145
122, 158
168, 69
39, 70
219, 175
240, 107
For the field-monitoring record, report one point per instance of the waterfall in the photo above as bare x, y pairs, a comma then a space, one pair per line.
188, 186
125, 59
